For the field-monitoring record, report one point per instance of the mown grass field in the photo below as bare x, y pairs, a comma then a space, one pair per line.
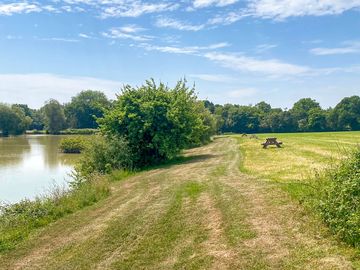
221, 207
302, 156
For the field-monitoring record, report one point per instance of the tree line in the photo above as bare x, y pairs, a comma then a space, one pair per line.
86, 107
81, 112
306, 115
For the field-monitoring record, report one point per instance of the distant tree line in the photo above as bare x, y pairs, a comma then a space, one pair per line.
306, 115
85, 108
81, 112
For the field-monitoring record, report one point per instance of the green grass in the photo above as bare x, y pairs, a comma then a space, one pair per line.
307, 168
302, 156
19, 220
196, 212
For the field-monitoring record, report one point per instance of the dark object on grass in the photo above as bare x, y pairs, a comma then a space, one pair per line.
271, 141
244, 135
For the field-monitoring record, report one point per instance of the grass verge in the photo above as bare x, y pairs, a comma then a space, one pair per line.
19, 220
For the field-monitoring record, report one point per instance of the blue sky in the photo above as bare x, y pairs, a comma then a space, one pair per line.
240, 52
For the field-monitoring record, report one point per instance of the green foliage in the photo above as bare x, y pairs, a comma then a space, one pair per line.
13, 120
18, 220
54, 116
157, 121
76, 131
306, 115
346, 115
340, 199
105, 154
75, 144
85, 108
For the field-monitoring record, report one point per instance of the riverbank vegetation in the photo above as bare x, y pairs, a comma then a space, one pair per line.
18, 220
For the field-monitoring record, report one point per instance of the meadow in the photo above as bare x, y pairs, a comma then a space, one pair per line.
225, 205
301, 157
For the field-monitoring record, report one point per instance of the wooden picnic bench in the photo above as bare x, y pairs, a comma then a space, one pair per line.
271, 141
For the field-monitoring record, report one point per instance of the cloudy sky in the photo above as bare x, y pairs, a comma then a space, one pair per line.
237, 51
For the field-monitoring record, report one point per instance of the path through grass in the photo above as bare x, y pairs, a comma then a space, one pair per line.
201, 214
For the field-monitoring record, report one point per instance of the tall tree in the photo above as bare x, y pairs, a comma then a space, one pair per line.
84, 108
13, 120
346, 114
300, 112
54, 116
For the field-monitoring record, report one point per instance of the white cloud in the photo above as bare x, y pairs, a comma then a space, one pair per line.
12, 37
71, 40
194, 50
35, 89
86, 36
212, 77
282, 9
119, 33
264, 47
103, 8
18, 8
134, 8
175, 24
272, 67
207, 3
226, 19
131, 28
348, 48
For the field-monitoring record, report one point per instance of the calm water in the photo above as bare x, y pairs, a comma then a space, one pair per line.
31, 165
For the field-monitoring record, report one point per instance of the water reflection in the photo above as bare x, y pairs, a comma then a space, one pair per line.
12, 151
29, 165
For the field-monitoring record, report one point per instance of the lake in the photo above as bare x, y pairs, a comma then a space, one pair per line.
31, 165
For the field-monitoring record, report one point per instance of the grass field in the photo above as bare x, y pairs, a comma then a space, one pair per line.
302, 156
219, 208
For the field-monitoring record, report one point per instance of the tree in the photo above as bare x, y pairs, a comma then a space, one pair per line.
317, 120
84, 108
300, 112
263, 107
54, 116
157, 121
13, 120
346, 114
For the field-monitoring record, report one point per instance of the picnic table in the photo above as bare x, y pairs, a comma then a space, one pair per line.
271, 141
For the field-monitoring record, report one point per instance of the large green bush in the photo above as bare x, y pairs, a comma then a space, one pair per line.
340, 199
157, 121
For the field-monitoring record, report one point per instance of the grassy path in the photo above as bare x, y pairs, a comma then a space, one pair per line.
201, 214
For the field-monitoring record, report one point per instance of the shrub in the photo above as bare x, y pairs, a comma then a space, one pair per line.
340, 199
72, 144
105, 154
78, 131
157, 121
